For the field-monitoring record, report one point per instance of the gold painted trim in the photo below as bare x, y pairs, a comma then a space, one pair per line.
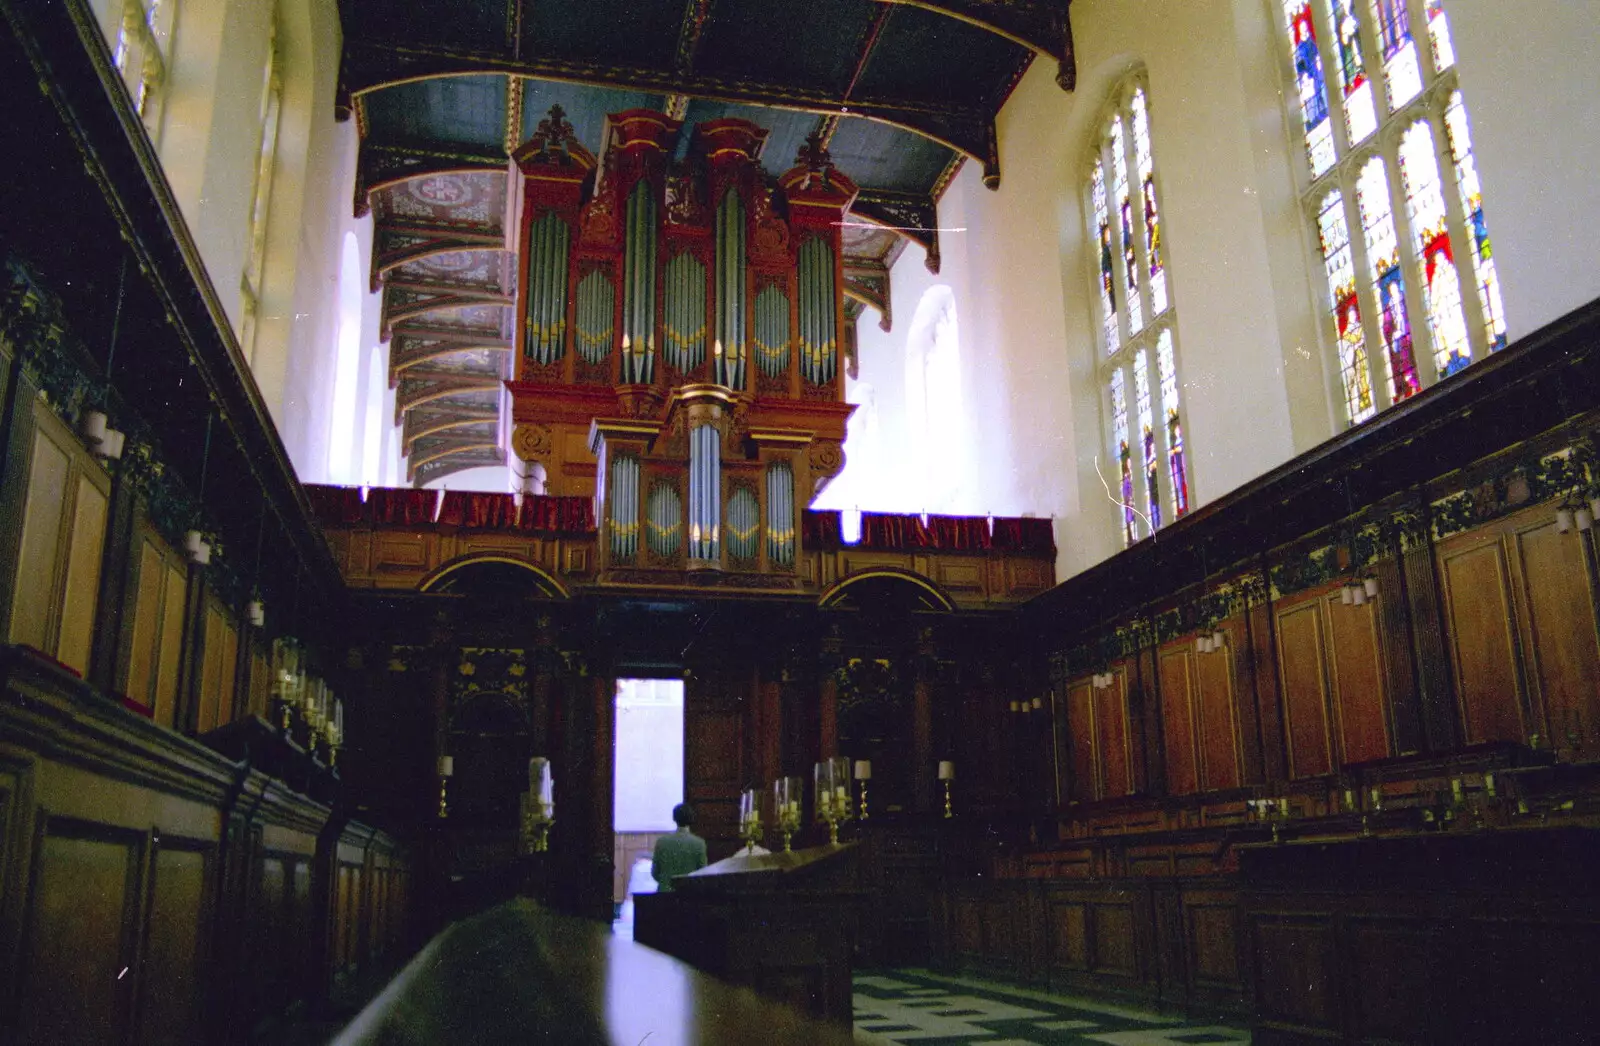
835, 591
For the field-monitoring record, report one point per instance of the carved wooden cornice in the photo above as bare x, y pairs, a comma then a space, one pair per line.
1043, 26
912, 215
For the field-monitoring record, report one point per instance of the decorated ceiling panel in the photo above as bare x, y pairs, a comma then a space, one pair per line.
456, 110
821, 40
901, 63
624, 32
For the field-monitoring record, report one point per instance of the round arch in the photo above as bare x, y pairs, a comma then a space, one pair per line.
846, 589
489, 564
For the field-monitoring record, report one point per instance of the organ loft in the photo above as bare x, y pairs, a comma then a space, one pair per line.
680, 341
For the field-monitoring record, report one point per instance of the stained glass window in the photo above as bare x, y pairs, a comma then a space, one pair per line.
1402, 72
1455, 128
1130, 266
1441, 286
1399, 292
1383, 257
1119, 438
1444, 54
1353, 370
1312, 88
1150, 461
1152, 214
1360, 113
1178, 469
1102, 219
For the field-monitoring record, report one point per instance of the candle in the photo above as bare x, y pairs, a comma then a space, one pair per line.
447, 766
863, 770
947, 770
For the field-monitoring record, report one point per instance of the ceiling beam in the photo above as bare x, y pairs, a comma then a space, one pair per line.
433, 464
381, 165
370, 66
1043, 26
913, 215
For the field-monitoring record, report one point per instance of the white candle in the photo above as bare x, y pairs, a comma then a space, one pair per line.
947, 770
447, 766
863, 770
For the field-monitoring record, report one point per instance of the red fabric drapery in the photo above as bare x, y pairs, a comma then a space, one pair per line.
557, 515
478, 510
892, 532
406, 506
336, 505
959, 533
819, 528
1025, 535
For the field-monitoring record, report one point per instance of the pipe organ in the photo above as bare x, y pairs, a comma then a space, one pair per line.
679, 333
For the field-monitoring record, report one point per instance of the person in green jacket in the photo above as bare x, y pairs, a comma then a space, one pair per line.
679, 853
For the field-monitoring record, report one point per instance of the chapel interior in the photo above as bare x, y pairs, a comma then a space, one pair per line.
1104, 491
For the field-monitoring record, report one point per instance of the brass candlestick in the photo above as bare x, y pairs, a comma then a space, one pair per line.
444, 797
750, 832
947, 811
863, 801
537, 819
788, 824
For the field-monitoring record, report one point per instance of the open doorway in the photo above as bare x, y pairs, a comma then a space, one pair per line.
649, 781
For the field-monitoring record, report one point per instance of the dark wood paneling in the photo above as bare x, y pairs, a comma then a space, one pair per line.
79, 967
1177, 719
1399, 998
1294, 967
1079, 742
176, 952
1219, 726
1558, 631
1213, 937
1483, 648
1115, 941
1303, 672
1360, 700
1069, 935
1111, 736
1267, 705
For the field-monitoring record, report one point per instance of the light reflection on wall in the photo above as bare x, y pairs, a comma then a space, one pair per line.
907, 448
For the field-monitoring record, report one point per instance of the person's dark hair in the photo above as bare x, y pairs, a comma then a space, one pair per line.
682, 815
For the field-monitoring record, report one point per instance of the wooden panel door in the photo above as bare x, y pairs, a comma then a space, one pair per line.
1302, 668
1177, 718
1078, 746
714, 762
1361, 708
1219, 721
1557, 622
1479, 633
1111, 736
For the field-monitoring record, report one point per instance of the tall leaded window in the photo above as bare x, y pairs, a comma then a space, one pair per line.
1412, 294
1139, 370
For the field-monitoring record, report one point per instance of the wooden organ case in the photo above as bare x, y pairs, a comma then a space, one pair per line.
679, 341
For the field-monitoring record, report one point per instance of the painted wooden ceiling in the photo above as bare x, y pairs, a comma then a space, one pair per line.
902, 93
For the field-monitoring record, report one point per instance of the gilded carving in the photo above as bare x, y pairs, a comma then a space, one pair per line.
532, 442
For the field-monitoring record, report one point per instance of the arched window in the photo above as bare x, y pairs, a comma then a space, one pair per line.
1138, 355
1401, 307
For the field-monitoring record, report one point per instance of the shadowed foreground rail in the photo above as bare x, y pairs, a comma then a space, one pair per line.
518, 973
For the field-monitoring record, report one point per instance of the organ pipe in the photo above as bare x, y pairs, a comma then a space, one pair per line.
730, 272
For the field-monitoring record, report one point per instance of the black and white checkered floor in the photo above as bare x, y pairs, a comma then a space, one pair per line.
929, 1009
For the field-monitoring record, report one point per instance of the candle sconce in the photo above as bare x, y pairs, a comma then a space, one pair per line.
833, 795
538, 807
447, 770
947, 773
786, 792
1275, 812
863, 775
749, 820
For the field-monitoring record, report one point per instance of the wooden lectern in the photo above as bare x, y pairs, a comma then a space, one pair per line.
781, 923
